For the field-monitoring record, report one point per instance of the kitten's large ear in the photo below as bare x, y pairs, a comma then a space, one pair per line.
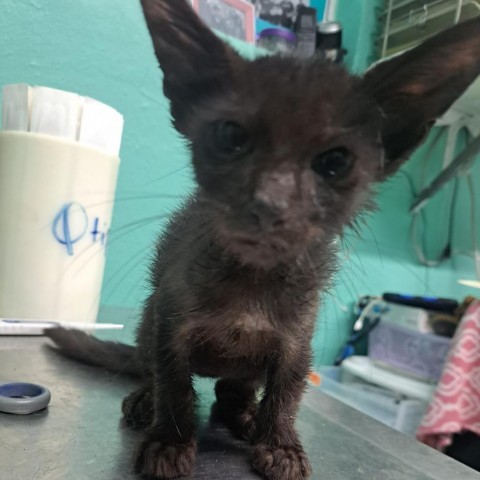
195, 62
415, 88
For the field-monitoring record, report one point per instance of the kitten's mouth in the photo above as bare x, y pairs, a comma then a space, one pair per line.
262, 251
254, 246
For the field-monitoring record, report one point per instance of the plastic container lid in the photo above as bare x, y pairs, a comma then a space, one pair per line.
278, 32
23, 398
329, 27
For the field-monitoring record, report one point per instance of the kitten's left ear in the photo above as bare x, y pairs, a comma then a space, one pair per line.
414, 89
196, 64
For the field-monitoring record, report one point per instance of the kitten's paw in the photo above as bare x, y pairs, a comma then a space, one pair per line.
240, 423
155, 460
281, 463
245, 423
137, 408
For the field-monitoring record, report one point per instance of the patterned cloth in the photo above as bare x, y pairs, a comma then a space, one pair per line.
455, 407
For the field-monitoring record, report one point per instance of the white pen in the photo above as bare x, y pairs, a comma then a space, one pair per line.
10, 326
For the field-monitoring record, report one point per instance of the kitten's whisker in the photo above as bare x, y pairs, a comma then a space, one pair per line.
126, 265
149, 196
163, 177
130, 227
141, 221
348, 250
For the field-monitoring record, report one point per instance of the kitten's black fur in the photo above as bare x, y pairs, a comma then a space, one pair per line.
285, 153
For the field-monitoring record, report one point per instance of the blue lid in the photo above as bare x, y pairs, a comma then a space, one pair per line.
23, 398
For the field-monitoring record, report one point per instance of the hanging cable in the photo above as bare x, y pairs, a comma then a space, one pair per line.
473, 222
419, 247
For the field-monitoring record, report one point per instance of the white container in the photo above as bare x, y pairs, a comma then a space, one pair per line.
398, 411
56, 201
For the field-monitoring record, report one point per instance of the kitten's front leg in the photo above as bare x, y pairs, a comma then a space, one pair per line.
278, 452
169, 447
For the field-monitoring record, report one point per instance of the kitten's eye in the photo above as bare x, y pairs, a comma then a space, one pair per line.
334, 164
230, 137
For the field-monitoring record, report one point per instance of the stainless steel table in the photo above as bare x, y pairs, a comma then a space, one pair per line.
81, 435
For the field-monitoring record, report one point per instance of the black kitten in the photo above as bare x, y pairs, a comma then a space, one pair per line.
285, 153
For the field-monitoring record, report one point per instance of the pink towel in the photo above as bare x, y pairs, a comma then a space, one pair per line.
455, 407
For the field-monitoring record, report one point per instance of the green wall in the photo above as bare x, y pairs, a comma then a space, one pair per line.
101, 49
360, 26
384, 258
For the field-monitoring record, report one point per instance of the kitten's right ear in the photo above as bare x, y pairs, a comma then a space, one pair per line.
195, 62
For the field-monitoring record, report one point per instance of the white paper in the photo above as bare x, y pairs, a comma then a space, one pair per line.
54, 112
101, 127
16, 107
62, 114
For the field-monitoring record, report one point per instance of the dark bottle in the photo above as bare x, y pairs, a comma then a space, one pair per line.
305, 30
329, 42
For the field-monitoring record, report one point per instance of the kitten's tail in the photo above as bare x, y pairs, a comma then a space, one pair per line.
114, 357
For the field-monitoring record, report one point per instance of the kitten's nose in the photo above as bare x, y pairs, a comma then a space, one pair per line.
267, 216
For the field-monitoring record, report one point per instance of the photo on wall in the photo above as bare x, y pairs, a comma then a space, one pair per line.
279, 12
231, 17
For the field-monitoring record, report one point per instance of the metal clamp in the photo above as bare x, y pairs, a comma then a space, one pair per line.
23, 398
423, 15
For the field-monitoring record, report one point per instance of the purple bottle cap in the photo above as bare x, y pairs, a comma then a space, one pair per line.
278, 32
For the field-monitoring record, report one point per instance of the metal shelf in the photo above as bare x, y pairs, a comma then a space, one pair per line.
405, 28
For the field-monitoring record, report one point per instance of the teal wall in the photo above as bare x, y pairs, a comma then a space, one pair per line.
360, 28
384, 258
101, 49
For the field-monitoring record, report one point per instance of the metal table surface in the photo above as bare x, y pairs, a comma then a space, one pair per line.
81, 435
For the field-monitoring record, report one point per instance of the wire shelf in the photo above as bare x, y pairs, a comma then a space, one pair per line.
407, 23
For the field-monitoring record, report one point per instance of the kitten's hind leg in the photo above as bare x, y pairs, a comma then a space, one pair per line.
137, 407
236, 406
